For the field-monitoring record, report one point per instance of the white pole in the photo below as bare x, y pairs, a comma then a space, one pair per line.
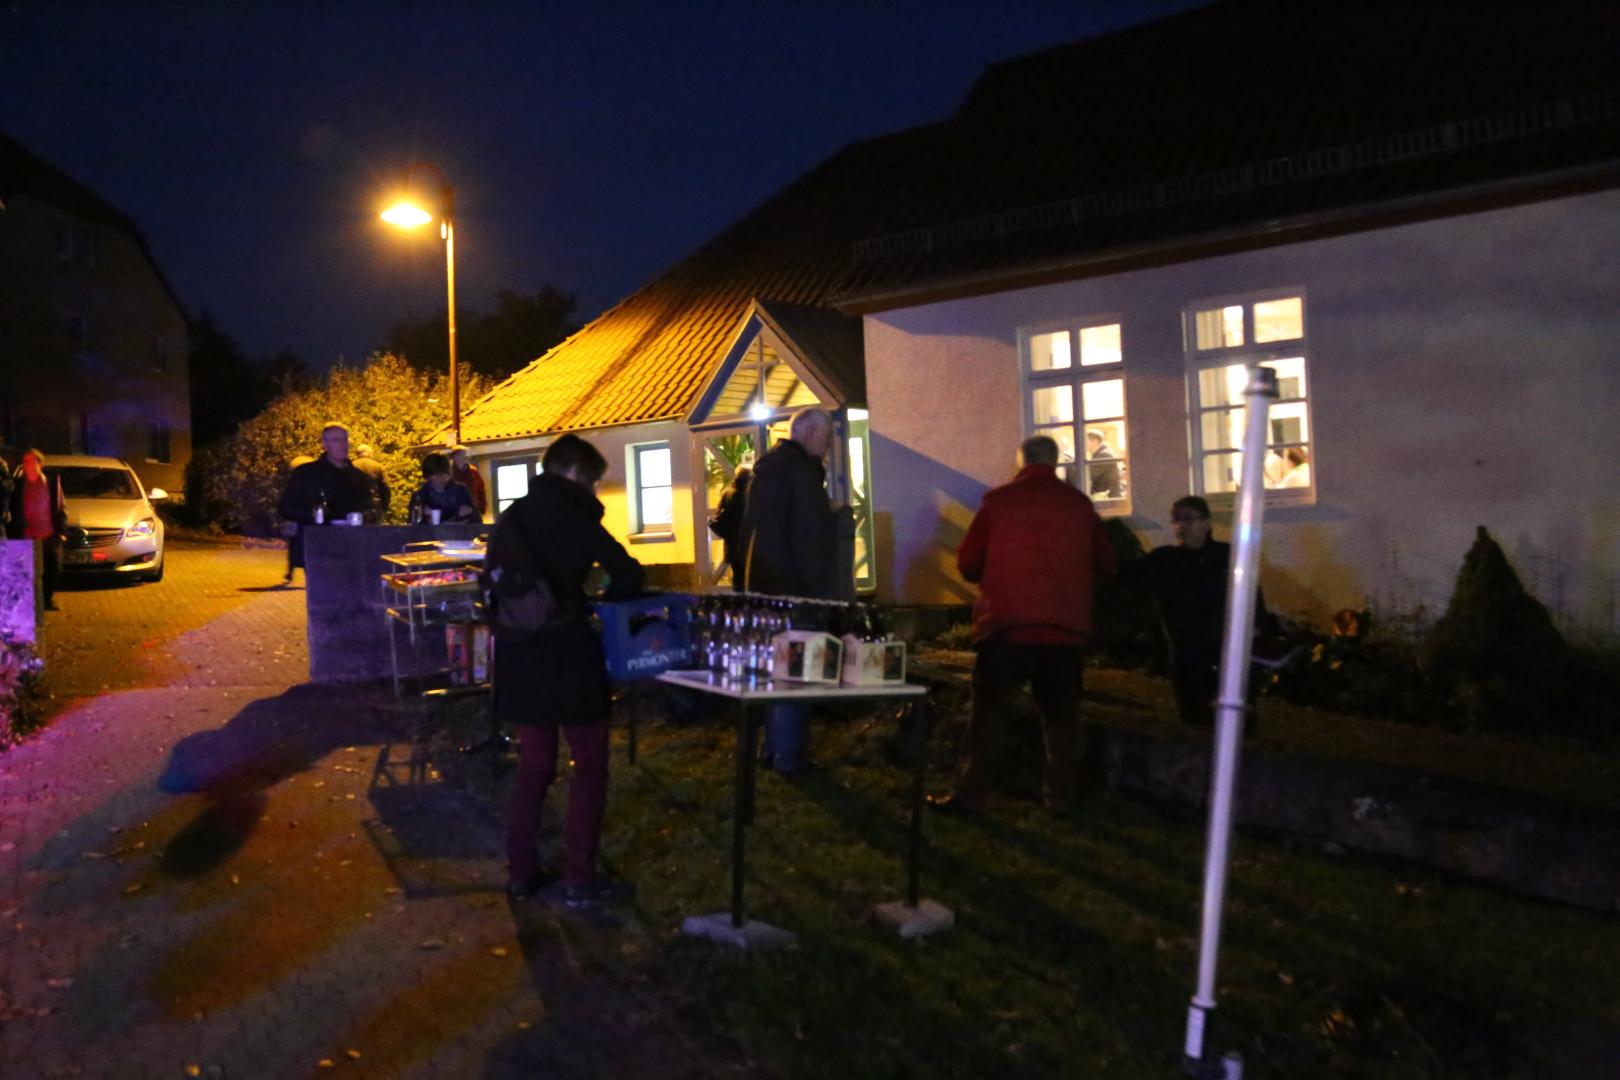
1229, 707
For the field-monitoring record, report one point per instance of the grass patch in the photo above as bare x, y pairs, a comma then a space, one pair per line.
1075, 948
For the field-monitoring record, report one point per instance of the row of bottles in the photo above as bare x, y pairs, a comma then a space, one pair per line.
733, 633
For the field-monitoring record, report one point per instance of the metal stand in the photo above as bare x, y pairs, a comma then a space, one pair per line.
1230, 709
912, 917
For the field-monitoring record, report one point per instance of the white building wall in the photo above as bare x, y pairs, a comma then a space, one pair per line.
1463, 372
615, 444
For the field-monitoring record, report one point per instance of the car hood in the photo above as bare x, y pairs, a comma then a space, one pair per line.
106, 513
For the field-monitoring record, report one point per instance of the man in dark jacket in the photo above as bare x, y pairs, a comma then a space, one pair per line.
555, 678
1189, 581
330, 482
788, 546
37, 511
1035, 549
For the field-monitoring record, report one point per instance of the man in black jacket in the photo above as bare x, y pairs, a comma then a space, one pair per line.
788, 546
555, 678
331, 482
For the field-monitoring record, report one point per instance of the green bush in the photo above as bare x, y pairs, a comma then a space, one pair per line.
237, 483
1495, 659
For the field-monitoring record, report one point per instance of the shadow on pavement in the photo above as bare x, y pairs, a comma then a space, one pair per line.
268, 741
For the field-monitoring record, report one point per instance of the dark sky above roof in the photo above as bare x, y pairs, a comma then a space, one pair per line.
591, 144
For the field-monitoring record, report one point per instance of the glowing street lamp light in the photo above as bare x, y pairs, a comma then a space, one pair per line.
408, 215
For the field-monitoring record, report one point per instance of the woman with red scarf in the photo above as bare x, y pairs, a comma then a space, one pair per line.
38, 512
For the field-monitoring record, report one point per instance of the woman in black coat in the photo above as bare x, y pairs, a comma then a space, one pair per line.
555, 678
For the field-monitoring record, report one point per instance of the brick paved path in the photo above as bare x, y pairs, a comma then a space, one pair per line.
323, 908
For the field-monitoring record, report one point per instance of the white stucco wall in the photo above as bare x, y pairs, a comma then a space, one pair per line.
1464, 371
615, 444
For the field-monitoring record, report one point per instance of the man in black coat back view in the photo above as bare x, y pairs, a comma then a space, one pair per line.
554, 679
788, 546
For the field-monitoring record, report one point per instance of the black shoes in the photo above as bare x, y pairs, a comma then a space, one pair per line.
527, 887
596, 892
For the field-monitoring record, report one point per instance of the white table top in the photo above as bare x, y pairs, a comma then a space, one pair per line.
710, 683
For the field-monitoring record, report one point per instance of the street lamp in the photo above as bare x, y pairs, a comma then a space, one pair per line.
408, 215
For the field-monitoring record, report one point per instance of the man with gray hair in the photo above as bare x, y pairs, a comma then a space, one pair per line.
1035, 549
788, 546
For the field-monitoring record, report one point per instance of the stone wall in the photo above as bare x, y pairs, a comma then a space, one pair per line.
19, 594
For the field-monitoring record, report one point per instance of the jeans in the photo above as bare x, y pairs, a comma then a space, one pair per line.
587, 799
1055, 675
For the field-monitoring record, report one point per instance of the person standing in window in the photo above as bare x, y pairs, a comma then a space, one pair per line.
465, 473
1104, 467
1297, 471
1036, 549
727, 521
39, 512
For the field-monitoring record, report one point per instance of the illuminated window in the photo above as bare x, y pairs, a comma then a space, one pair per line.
1217, 375
654, 503
512, 478
1081, 406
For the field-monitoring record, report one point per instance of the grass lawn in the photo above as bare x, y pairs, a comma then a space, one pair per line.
1075, 949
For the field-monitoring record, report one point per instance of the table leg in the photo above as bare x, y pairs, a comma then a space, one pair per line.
634, 702
743, 798
919, 757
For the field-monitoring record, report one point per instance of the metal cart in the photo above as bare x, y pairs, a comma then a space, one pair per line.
426, 588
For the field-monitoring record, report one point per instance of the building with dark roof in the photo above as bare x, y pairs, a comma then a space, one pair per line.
1407, 210
93, 342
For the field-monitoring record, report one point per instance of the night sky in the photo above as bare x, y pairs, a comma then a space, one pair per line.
591, 145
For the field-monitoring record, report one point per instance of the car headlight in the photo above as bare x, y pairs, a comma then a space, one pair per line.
143, 527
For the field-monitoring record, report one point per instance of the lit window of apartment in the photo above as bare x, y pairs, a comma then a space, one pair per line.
157, 441
1074, 392
1223, 339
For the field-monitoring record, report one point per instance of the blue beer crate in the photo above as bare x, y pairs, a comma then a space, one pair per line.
646, 637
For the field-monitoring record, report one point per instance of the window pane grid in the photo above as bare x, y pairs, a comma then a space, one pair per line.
1081, 406
1217, 389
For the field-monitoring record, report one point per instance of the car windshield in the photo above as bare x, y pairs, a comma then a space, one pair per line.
95, 482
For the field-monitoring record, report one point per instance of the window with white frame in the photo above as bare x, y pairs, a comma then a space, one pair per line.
1074, 392
653, 507
1223, 340
511, 478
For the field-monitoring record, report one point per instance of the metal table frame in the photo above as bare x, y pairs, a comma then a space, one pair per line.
746, 697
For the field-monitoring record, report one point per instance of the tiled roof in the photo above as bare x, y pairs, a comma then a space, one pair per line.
1222, 118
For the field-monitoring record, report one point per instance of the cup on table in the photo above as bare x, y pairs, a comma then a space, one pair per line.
355, 519
433, 516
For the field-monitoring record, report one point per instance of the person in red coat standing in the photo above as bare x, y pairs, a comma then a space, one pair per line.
1036, 548
464, 472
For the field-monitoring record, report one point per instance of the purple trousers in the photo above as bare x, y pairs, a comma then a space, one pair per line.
587, 798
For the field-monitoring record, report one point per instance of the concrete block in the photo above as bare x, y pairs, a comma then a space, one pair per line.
909, 922
752, 934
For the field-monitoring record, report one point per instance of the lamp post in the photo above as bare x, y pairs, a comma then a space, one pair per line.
408, 215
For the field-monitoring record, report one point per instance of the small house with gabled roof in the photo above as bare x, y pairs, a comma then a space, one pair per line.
1409, 212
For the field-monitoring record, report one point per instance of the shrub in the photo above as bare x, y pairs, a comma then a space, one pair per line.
1494, 658
398, 409
21, 691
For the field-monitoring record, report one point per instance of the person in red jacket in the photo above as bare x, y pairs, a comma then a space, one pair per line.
1035, 549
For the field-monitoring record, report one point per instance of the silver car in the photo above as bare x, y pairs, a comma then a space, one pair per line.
112, 527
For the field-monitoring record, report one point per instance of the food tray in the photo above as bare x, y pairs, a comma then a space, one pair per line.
442, 582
